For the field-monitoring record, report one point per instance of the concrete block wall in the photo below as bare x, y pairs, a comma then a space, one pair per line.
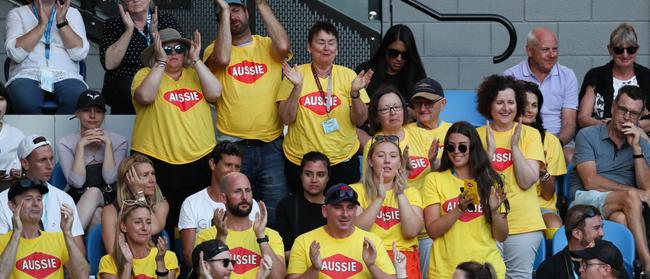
459, 54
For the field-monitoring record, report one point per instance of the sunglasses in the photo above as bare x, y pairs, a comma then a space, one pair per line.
590, 213
630, 50
28, 183
385, 138
38, 140
225, 261
393, 53
179, 48
462, 148
346, 192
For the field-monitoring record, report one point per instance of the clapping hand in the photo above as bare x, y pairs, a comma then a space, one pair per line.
219, 221
369, 253
399, 259
153, 27
158, 49
124, 248
489, 139
61, 10
517, 135
126, 18
161, 244
260, 220
497, 197
292, 74
195, 47
67, 217
16, 222
314, 255
362, 80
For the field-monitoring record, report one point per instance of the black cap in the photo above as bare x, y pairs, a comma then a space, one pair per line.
25, 184
210, 249
90, 98
429, 89
607, 253
339, 193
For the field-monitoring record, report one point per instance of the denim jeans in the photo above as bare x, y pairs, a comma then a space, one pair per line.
263, 164
26, 96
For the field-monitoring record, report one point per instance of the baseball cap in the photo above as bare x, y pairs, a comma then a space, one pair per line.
90, 98
238, 2
339, 193
29, 143
429, 89
25, 184
606, 252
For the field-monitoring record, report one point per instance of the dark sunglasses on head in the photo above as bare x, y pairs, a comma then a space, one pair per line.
346, 192
25, 182
393, 53
38, 140
383, 138
590, 213
225, 261
462, 148
630, 50
179, 48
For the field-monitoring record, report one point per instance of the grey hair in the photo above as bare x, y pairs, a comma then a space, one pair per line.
624, 34
531, 38
152, 4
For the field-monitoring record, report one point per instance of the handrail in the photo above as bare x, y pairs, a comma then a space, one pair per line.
473, 17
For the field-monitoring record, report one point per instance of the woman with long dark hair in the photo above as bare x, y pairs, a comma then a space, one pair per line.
465, 205
396, 62
516, 153
553, 155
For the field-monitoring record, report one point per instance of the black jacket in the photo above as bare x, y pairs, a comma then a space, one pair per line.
558, 266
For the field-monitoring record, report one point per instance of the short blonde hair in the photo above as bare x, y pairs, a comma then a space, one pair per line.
624, 34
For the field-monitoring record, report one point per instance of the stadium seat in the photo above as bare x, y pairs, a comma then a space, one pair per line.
461, 106
58, 178
614, 232
95, 248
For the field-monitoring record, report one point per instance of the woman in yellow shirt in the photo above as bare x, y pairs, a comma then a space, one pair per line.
553, 155
388, 207
133, 255
462, 201
516, 153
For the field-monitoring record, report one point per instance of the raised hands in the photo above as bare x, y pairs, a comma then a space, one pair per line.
15, 219
369, 253
433, 151
497, 197
158, 49
195, 46
124, 248
161, 244
381, 189
133, 179
42, 16
67, 217
292, 74
203, 268
489, 139
126, 18
362, 80
399, 260
516, 135
223, 5
153, 27
61, 10
219, 221
314, 255
260, 220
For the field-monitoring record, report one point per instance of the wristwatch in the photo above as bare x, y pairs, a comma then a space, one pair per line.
544, 176
162, 273
62, 24
263, 239
355, 97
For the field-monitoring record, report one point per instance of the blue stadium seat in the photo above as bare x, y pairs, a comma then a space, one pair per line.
58, 178
541, 255
614, 232
461, 106
95, 248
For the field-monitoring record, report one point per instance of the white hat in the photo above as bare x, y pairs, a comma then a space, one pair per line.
29, 143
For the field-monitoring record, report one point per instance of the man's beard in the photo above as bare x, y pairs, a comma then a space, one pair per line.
236, 211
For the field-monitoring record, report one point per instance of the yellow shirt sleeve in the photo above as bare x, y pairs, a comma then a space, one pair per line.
205, 235
107, 265
299, 261
275, 241
555, 164
138, 78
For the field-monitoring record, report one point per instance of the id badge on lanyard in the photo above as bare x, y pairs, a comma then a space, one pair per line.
331, 124
46, 75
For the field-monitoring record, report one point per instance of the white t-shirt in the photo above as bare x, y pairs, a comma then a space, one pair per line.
10, 137
51, 218
618, 83
198, 209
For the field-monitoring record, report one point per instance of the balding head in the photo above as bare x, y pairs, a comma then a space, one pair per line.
541, 48
537, 34
236, 191
232, 179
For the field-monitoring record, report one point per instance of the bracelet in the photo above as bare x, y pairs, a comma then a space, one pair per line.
194, 61
638, 156
355, 97
162, 273
263, 239
62, 24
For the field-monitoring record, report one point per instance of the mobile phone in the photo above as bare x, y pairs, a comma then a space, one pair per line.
469, 195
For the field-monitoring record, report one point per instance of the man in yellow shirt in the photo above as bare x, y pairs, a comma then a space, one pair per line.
29, 252
250, 69
339, 249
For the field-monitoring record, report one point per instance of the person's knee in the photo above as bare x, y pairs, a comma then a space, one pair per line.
632, 202
618, 217
552, 221
93, 194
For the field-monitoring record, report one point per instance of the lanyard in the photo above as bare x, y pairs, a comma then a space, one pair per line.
328, 100
146, 32
48, 33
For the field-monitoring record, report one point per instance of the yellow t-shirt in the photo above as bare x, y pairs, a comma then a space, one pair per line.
555, 166
40, 257
306, 133
418, 145
177, 127
142, 268
341, 258
244, 249
468, 239
524, 215
247, 108
387, 223
437, 133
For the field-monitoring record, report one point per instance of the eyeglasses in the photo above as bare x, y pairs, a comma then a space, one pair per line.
387, 138
179, 48
630, 50
225, 261
590, 213
624, 111
393, 53
462, 148
585, 264
390, 109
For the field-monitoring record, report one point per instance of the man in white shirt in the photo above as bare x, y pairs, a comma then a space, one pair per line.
37, 161
198, 209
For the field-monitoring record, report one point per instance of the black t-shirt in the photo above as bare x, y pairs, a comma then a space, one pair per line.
294, 216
